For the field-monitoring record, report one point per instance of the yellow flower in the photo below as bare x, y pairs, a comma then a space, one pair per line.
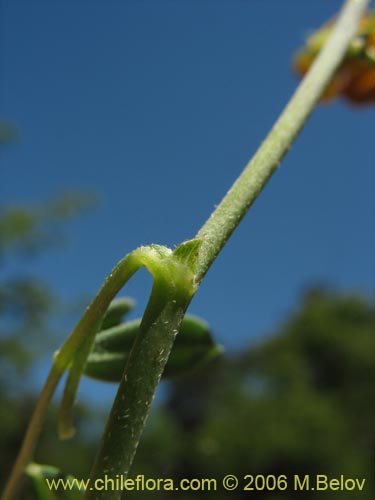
355, 78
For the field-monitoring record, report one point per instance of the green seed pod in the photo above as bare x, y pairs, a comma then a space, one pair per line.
40, 474
116, 312
106, 366
193, 346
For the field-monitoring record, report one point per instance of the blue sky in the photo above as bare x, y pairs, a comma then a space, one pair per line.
156, 106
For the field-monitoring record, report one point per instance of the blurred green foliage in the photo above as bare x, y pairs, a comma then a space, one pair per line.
300, 401
25, 301
27, 307
28, 230
8, 133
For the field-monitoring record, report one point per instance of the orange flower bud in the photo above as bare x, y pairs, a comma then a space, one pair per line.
355, 78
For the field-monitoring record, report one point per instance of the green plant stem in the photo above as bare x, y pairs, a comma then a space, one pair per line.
219, 227
86, 326
32, 435
145, 365
66, 428
136, 391
173, 288
169, 298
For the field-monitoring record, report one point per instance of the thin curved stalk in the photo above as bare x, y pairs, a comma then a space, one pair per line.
85, 328
168, 303
145, 367
174, 287
136, 391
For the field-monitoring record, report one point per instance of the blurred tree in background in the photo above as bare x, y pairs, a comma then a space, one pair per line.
27, 308
26, 302
301, 401
7, 133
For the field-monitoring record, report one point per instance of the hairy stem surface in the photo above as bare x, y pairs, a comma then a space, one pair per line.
145, 367
224, 220
170, 295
